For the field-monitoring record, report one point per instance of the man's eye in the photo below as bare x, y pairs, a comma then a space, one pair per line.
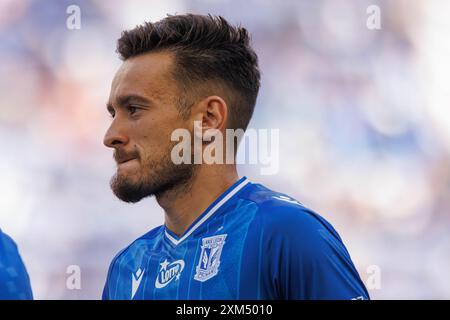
132, 110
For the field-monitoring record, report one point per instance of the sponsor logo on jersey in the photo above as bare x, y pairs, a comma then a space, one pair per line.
168, 271
209, 261
136, 279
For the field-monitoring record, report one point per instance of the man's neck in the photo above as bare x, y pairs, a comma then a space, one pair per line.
182, 208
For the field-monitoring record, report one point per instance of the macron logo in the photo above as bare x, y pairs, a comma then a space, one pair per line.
136, 279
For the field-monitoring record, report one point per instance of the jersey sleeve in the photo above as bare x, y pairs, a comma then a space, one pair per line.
106, 295
110, 277
308, 259
14, 279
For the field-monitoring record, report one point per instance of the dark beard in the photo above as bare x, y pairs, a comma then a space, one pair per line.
156, 179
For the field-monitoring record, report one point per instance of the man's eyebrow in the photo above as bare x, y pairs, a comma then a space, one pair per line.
129, 99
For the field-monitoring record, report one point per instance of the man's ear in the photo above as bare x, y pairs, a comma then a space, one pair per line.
212, 111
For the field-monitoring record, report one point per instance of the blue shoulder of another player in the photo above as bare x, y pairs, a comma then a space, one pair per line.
14, 279
309, 248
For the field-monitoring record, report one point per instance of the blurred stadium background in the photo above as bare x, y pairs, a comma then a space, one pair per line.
364, 123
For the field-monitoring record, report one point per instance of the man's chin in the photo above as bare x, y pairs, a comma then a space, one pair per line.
127, 190
130, 185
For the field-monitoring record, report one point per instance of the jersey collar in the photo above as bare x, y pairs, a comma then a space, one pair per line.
213, 208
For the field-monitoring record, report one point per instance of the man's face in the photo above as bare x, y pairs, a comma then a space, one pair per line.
143, 104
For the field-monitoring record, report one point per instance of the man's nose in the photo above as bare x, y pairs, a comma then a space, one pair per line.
115, 136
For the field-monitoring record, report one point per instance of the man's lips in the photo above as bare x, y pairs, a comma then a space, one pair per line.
125, 160
122, 157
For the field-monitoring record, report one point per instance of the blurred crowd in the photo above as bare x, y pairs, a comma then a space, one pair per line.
363, 117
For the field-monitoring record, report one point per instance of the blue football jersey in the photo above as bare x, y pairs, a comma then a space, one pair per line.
250, 243
14, 280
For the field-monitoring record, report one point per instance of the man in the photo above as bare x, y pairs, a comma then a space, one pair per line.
223, 237
14, 280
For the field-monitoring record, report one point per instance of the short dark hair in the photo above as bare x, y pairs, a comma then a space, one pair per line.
205, 48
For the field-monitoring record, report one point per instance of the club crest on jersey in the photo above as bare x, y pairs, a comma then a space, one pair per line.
167, 272
208, 265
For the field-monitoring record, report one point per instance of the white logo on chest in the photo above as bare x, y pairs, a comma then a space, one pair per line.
136, 279
209, 262
168, 272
